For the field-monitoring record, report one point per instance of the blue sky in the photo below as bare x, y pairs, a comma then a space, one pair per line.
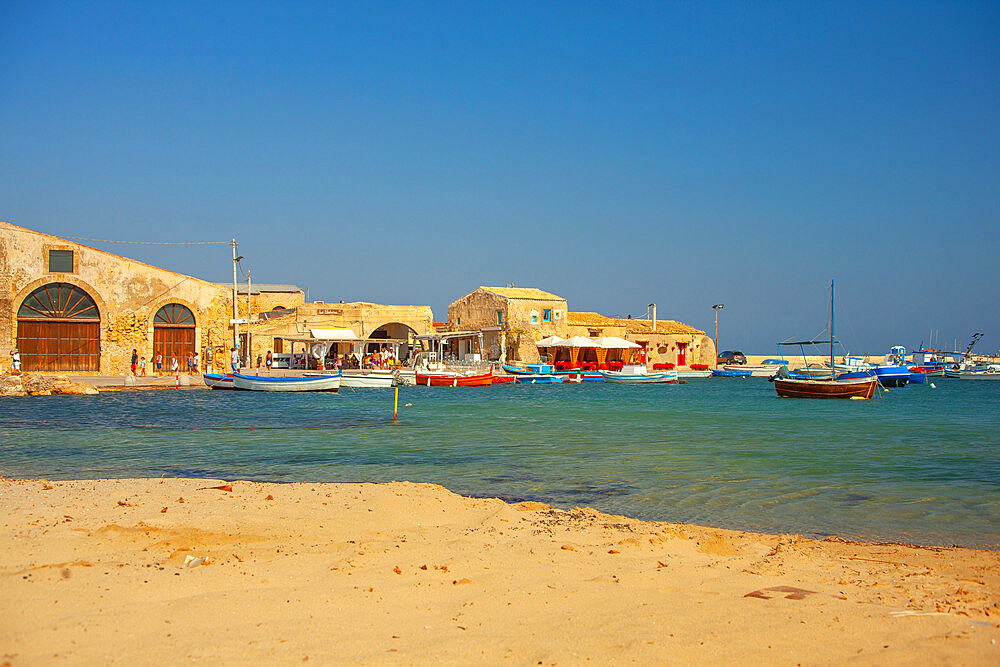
614, 153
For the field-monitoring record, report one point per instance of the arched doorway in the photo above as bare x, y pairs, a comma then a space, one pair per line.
59, 329
173, 333
395, 335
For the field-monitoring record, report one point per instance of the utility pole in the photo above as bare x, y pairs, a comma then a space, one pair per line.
248, 319
236, 339
717, 307
236, 327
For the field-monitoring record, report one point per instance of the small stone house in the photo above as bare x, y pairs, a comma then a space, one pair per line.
511, 319
664, 341
373, 324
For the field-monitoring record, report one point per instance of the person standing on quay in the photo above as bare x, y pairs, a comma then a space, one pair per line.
142, 366
135, 361
197, 363
15, 360
269, 360
175, 368
159, 364
234, 358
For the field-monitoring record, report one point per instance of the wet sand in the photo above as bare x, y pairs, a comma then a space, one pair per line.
94, 573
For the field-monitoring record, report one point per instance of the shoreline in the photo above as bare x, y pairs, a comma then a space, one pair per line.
403, 572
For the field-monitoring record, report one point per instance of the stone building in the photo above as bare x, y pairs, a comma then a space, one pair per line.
511, 319
664, 341
71, 308
372, 324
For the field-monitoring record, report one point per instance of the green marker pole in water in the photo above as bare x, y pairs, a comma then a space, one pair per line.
395, 405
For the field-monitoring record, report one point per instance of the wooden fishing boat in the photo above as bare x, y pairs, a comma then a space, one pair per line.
686, 374
449, 379
637, 374
216, 381
755, 370
793, 388
367, 379
727, 372
504, 379
539, 378
330, 383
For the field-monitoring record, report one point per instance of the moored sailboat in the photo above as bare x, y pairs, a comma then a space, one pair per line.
788, 387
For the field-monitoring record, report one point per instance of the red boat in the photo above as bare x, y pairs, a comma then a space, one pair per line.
792, 388
454, 380
503, 379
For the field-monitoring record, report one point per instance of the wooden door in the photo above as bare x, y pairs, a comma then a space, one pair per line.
173, 341
59, 345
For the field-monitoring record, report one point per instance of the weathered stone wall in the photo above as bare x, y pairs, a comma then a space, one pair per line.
127, 293
362, 318
477, 311
662, 348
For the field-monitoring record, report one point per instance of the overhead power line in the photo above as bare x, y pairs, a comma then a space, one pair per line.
80, 238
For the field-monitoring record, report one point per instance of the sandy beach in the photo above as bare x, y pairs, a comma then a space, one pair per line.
94, 573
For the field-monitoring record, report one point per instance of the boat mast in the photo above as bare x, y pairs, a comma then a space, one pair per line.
833, 370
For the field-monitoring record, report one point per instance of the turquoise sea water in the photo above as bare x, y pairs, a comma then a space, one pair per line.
920, 465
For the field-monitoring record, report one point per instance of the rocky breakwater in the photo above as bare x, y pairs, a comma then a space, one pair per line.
27, 384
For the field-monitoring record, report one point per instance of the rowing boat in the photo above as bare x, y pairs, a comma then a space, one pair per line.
330, 383
449, 379
216, 381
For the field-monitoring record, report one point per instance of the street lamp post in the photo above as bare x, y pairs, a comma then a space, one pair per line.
717, 307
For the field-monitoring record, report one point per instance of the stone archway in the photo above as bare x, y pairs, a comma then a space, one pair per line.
174, 332
395, 331
59, 329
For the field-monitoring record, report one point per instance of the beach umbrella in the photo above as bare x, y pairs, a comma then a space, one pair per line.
613, 343
576, 341
549, 342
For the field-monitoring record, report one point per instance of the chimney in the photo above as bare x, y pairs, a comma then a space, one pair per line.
652, 307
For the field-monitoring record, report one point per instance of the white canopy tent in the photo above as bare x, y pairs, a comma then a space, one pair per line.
339, 335
614, 343
549, 342
576, 341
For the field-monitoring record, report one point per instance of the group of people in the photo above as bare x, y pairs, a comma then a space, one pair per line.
384, 358
138, 364
235, 360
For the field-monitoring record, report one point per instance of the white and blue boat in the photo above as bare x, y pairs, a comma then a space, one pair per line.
638, 374
539, 378
893, 372
329, 383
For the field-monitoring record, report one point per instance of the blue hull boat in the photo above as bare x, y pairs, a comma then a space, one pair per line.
918, 377
717, 373
892, 376
539, 378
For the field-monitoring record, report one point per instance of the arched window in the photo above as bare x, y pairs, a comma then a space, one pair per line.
173, 333
174, 314
59, 329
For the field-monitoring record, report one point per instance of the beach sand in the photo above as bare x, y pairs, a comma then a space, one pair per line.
93, 573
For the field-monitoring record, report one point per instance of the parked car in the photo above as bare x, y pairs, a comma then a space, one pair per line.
731, 357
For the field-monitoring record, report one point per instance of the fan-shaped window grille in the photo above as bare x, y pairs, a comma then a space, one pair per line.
175, 314
60, 301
